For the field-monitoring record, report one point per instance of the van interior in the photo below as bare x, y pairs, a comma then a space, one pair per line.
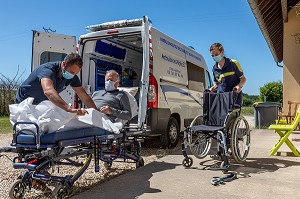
123, 54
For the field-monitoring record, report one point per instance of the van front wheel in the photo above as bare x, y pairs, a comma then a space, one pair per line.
171, 136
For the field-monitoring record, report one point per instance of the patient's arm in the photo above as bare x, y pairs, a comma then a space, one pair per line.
125, 112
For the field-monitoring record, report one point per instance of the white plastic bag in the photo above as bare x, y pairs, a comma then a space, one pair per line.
51, 118
46, 115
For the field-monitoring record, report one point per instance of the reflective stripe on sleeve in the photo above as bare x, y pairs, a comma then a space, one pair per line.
225, 75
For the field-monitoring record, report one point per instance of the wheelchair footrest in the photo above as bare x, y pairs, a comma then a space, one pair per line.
221, 180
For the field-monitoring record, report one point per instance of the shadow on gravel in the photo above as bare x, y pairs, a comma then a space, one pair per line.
130, 185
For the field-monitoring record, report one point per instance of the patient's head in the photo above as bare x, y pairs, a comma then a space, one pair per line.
112, 80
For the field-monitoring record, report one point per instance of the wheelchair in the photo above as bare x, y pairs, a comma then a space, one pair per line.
221, 121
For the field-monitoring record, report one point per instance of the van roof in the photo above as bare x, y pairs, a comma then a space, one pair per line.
115, 24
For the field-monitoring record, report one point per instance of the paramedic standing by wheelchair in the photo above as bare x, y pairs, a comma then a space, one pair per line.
49, 79
228, 73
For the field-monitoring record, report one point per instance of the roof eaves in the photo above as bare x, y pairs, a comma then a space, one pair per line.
260, 21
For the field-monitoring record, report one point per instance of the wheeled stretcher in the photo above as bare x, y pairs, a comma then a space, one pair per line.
37, 153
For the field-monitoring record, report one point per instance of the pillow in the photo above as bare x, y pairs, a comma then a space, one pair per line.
133, 103
131, 90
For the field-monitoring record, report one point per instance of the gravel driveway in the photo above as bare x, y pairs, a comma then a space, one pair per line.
89, 179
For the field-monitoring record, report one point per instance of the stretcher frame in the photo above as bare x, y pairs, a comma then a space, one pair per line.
37, 158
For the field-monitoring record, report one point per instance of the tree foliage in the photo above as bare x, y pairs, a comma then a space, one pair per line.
249, 100
272, 91
8, 88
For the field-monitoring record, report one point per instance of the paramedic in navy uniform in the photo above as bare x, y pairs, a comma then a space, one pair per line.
228, 73
49, 79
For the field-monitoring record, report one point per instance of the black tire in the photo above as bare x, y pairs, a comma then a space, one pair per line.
107, 165
17, 189
240, 139
199, 143
171, 137
140, 163
187, 162
61, 192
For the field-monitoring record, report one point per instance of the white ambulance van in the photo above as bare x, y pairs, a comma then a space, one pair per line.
169, 77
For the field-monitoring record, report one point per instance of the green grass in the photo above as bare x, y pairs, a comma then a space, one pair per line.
5, 125
247, 110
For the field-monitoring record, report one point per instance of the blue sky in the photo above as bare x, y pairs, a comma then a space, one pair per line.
193, 23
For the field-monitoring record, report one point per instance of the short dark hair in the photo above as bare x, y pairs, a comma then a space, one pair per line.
72, 59
216, 45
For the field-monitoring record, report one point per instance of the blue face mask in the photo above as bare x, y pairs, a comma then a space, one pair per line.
218, 58
67, 75
109, 85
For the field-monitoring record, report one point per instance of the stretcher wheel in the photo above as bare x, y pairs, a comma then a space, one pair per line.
187, 162
61, 192
17, 189
199, 143
240, 139
107, 165
140, 163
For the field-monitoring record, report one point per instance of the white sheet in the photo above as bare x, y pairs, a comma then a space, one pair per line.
51, 118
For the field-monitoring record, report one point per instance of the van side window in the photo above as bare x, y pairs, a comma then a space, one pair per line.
47, 56
208, 80
196, 77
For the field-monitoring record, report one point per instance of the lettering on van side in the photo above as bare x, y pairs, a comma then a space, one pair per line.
174, 72
174, 61
163, 40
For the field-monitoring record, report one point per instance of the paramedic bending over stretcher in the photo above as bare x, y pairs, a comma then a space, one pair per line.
49, 79
112, 102
228, 73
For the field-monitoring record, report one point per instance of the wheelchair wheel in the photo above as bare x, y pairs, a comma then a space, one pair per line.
240, 139
17, 189
198, 142
187, 162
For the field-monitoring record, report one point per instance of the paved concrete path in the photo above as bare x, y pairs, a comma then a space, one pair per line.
261, 176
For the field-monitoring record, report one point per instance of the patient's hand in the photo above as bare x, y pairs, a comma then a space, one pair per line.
106, 110
81, 111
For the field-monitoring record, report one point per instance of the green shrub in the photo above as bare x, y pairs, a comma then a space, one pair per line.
247, 110
272, 91
5, 125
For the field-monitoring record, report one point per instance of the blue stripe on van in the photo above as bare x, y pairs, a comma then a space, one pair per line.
168, 88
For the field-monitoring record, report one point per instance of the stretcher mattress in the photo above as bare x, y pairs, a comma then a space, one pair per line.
27, 137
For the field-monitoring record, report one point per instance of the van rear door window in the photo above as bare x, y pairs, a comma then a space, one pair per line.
47, 56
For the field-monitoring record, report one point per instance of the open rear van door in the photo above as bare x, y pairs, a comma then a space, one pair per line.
49, 47
145, 71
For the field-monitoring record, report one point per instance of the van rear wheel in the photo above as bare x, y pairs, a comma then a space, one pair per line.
171, 136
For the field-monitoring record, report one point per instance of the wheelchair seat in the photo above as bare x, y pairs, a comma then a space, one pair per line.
206, 128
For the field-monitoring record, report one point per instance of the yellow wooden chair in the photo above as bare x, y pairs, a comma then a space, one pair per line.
284, 131
288, 118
